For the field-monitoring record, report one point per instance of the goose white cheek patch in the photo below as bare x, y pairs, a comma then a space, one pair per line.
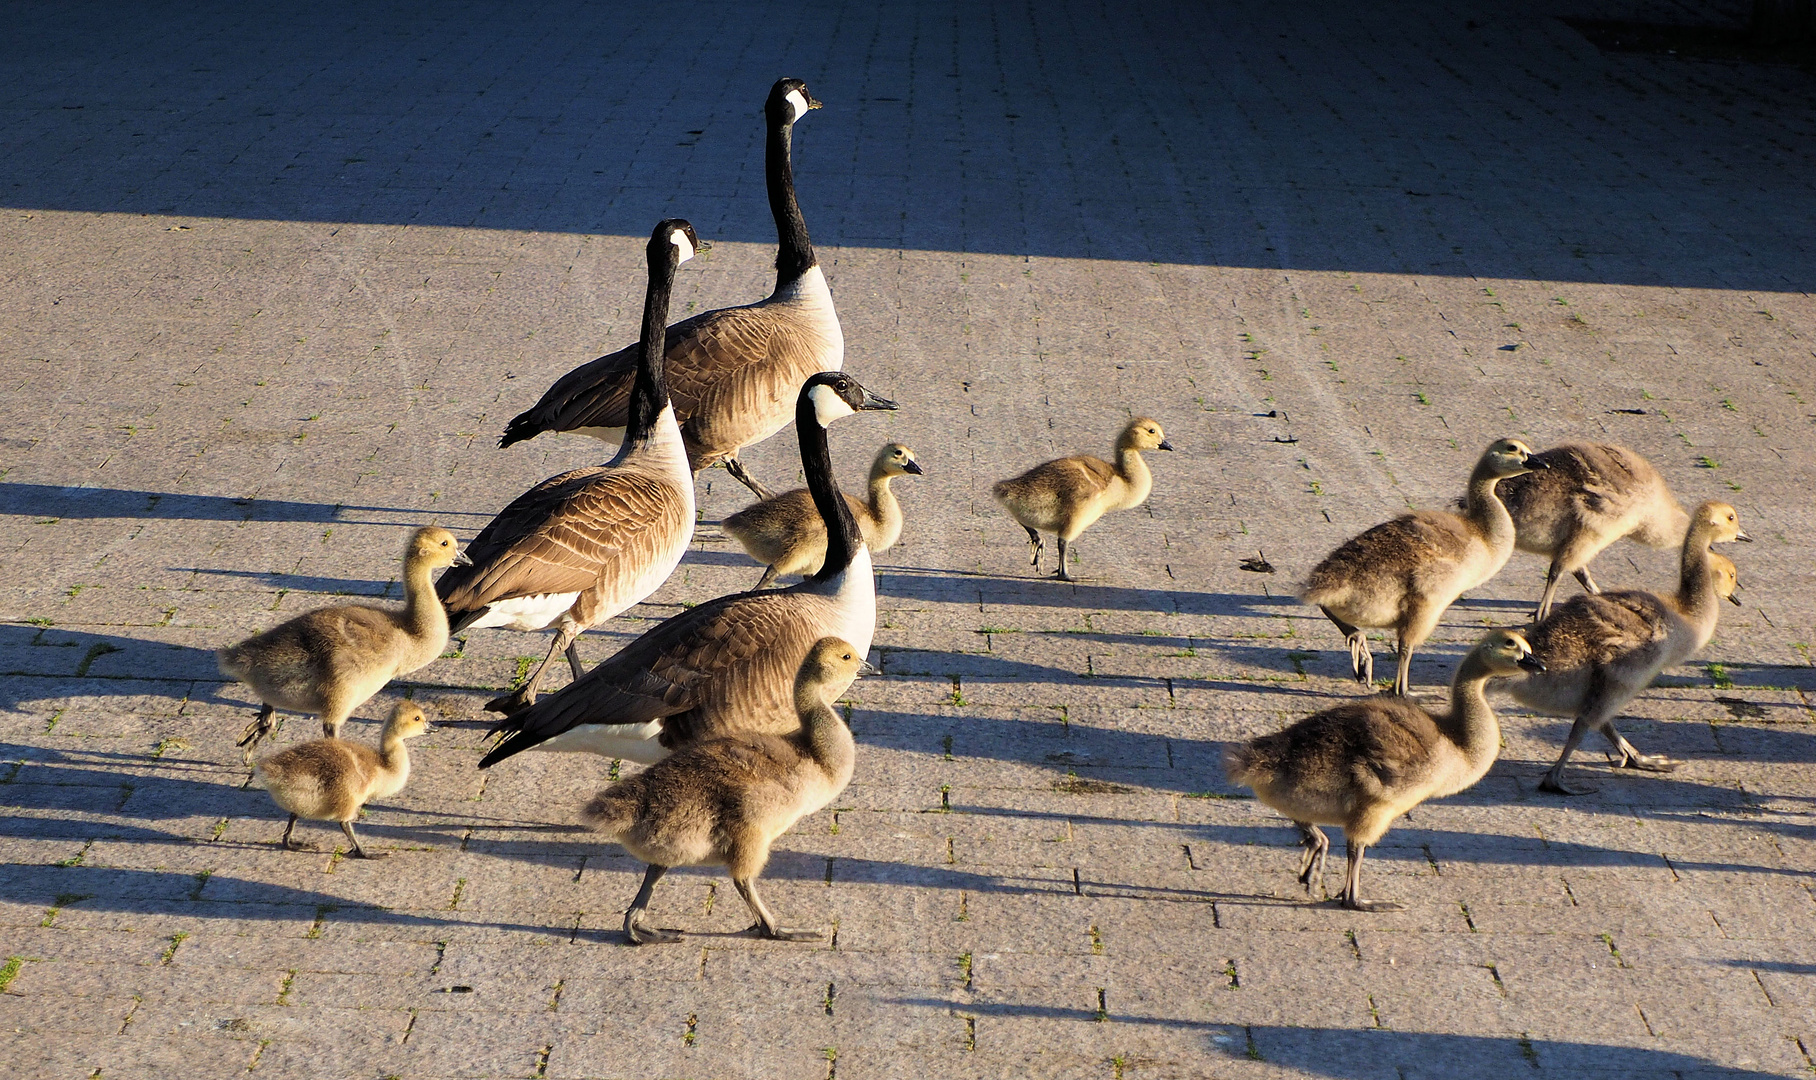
798, 102
679, 239
828, 405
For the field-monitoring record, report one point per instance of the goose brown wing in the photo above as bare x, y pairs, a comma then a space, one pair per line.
744, 376
558, 536
730, 659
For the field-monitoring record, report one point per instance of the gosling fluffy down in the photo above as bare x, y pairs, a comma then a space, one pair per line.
786, 533
332, 779
1065, 496
722, 802
329, 661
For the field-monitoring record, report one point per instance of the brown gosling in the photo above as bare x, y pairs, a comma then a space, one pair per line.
1402, 574
1363, 764
786, 532
1066, 496
331, 779
1601, 650
329, 661
722, 802
1589, 496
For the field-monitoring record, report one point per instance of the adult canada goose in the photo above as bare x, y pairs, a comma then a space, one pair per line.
1601, 650
1403, 573
579, 548
1588, 496
728, 664
331, 660
786, 531
1364, 763
331, 779
1067, 495
732, 372
722, 802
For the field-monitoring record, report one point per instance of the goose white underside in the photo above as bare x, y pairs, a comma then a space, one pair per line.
632, 742
854, 601
527, 612
603, 434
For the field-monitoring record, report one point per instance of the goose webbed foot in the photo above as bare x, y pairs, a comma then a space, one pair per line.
736, 469
1657, 763
510, 704
640, 934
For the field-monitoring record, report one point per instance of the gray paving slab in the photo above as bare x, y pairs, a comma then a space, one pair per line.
275, 279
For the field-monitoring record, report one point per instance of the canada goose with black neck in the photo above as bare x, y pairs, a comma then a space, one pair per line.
728, 664
579, 548
732, 372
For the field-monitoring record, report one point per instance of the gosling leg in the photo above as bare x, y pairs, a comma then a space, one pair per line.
1360, 659
1551, 579
769, 578
1403, 679
525, 696
1035, 547
360, 852
1588, 582
1597, 715
261, 726
1316, 844
1063, 573
1352, 885
286, 843
766, 921
634, 927
1554, 777
736, 469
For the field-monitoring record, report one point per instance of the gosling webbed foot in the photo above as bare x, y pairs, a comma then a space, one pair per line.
783, 933
1369, 905
1554, 783
1657, 763
641, 934
362, 853
1061, 575
1316, 845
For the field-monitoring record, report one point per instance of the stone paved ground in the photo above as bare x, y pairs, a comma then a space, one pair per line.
273, 282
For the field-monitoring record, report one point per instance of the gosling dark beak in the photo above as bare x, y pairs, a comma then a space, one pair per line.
461, 558
1734, 598
872, 401
1743, 538
866, 668
1533, 664
1165, 444
913, 467
1536, 463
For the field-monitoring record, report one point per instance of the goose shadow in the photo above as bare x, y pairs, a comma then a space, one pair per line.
976, 587
80, 503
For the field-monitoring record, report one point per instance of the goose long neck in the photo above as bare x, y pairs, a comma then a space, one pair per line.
794, 255
649, 390
842, 536
1472, 724
1486, 509
424, 615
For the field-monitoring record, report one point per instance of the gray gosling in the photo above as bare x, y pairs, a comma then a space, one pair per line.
722, 802
1066, 496
1363, 764
331, 779
329, 661
1601, 650
1402, 574
786, 531
1588, 496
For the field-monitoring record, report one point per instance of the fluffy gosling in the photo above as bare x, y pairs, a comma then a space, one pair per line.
722, 802
1065, 496
786, 532
1363, 764
329, 661
331, 779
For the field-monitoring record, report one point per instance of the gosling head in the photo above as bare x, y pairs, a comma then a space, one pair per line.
1511, 457
831, 666
788, 101
1719, 522
1727, 578
1507, 652
406, 722
674, 238
834, 394
436, 547
894, 459
1143, 434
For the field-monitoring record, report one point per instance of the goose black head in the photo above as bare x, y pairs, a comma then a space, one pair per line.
677, 234
788, 101
834, 394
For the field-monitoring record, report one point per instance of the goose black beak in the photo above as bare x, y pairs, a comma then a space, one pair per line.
1166, 444
1533, 664
812, 102
914, 467
701, 245
1743, 538
872, 401
461, 558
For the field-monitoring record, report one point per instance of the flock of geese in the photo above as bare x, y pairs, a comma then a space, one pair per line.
730, 702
